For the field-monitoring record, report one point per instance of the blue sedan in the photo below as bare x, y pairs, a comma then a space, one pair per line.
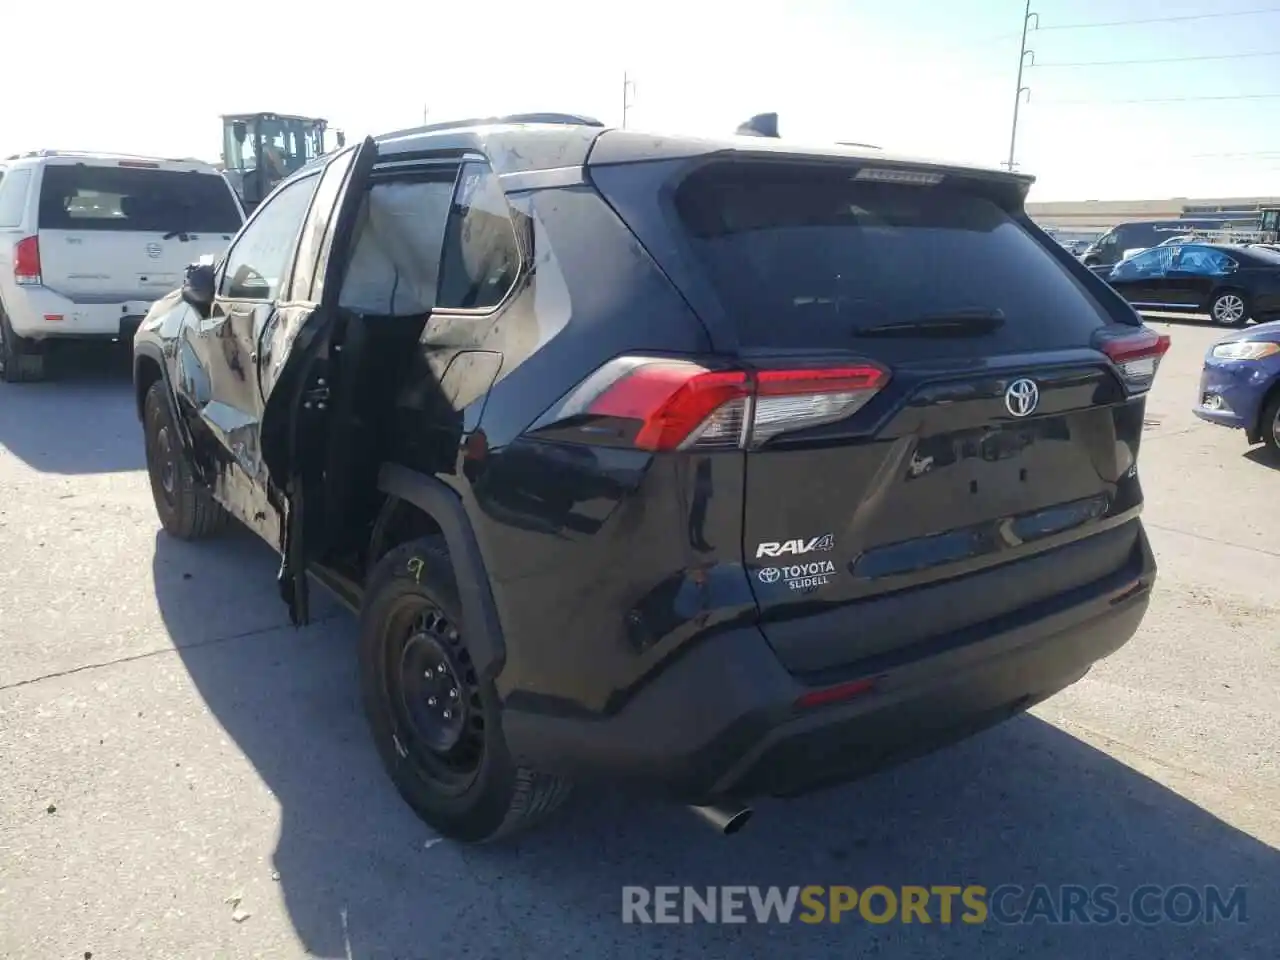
1240, 384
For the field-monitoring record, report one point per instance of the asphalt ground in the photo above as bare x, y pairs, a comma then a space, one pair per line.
184, 775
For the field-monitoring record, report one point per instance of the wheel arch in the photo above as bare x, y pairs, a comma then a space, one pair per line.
148, 367
437, 509
1256, 430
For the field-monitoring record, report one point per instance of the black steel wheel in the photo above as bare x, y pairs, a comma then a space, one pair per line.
186, 508
430, 683
435, 721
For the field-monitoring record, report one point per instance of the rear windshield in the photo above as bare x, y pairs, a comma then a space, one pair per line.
809, 257
81, 197
1265, 256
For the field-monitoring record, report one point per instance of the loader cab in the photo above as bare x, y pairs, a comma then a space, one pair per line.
1269, 225
260, 150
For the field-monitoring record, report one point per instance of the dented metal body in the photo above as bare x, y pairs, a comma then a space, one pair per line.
656, 616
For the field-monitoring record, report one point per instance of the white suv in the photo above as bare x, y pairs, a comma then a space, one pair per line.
88, 241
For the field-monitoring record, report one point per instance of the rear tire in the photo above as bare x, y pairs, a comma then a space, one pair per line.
1229, 308
186, 508
436, 725
19, 360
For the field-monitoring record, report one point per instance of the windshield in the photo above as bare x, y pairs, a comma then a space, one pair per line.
81, 197
283, 145
293, 143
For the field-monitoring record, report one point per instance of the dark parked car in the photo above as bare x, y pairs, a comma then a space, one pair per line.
726, 468
1110, 248
1240, 384
1230, 283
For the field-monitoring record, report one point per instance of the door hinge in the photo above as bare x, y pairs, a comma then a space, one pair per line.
317, 396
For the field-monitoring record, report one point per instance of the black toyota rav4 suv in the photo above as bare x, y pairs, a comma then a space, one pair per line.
727, 467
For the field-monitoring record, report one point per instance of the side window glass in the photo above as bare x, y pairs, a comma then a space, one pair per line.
259, 259
1198, 261
313, 231
1141, 265
481, 257
395, 261
13, 197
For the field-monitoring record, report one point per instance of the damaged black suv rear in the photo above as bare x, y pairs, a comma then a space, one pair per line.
727, 468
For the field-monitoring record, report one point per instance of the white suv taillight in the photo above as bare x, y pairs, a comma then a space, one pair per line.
656, 404
26, 262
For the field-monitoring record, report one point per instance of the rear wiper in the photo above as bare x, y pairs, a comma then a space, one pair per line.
958, 323
175, 233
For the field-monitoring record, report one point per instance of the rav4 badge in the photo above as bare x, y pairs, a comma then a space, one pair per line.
796, 548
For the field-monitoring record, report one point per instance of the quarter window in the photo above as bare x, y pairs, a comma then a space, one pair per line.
13, 197
260, 257
481, 257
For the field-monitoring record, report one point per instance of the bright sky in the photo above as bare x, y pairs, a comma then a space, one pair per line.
922, 76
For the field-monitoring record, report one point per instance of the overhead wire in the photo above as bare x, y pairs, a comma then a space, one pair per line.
1191, 59
1144, 20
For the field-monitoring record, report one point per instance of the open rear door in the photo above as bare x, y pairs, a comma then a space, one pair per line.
295, 396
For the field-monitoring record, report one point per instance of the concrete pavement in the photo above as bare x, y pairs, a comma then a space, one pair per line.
183, 775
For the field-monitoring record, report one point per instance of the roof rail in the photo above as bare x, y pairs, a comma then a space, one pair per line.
568, 119
100, 153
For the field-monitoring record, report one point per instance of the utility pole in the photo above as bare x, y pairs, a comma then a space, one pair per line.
1022, 62
628, 89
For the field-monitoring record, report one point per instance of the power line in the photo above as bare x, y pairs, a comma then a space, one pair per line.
1238, 96
1120, 63
1240, 154
1182, 17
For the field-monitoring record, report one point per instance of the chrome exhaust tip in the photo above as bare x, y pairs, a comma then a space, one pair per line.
726, 817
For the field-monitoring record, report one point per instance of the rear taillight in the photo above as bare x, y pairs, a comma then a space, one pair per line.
26, 262
1137, 356
654, 404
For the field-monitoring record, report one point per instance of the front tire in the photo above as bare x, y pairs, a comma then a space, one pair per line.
1229, 308
436, 724
1270, 424
186, 508
19, 361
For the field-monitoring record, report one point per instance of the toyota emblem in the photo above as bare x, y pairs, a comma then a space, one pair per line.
154, 250
770, 575
1022, 397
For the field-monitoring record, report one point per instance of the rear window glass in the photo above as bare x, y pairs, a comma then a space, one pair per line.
807, 257
81, 197
1264, 255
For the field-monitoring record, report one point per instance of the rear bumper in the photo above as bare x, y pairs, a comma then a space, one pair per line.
38, 313
722, 720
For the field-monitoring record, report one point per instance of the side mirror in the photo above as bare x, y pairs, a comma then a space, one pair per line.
198, 287
239, 131
342, 139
